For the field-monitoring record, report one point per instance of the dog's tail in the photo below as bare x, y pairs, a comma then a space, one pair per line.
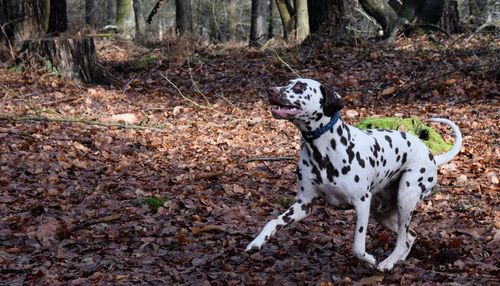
448, 156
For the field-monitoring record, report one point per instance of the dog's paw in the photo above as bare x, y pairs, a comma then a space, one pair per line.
255, 244
385, 266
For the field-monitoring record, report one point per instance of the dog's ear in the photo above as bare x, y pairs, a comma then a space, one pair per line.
331, 101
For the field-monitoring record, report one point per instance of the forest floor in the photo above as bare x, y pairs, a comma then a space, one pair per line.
176, 204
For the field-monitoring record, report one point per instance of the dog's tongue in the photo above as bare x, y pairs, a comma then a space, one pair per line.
284, 112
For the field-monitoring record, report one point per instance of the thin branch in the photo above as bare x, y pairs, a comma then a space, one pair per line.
54, 102
285, 63
76, 120
187, 98
90, 222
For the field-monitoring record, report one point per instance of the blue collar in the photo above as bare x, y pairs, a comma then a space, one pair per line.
311, 135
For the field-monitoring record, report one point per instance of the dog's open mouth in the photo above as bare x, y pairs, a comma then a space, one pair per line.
283, 111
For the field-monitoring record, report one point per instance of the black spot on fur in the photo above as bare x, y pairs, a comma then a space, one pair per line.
403, 135
307, 208
404, 158
396, 150
299, 87
420, 179
287, 217
431, 157
346, 169
349, 151
407, 183
422, 170
398, 158
376, 148
407, 244
408, 143
305, 163
339, 130
423, 134
333, 143
422, 187
362, 198
372, 162
360, 229
356, 178
298, 173
388, 140
430, 179
343, 140
361, 162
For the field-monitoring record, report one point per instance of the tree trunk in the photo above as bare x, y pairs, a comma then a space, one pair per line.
450, 20
21, 19
231, 20
70, 57
258, 22
326, 12
91, 12
125, 18
183, 17
286, 17
302, 20
383, 13
270, 29
140, 20
58, 20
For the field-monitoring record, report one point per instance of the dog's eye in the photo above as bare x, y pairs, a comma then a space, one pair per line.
299, 87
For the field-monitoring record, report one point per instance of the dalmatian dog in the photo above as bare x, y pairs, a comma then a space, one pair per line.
379, 172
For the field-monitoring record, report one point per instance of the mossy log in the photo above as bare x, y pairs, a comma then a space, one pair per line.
68, 57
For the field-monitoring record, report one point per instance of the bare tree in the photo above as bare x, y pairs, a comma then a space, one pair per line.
259, 21
183, 16
125, 18
302, 20
58, 18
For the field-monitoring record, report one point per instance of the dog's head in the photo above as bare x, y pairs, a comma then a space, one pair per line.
305, 102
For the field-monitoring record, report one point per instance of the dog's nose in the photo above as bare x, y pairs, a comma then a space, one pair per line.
273, 91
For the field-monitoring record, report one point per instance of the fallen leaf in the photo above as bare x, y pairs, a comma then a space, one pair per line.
388, 90
372, 280
450, 81
206, 228
47, 231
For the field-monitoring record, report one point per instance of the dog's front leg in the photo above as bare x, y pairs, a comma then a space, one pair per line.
298, 211
362, 208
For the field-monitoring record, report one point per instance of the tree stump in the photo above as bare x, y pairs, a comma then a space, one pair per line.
69, 57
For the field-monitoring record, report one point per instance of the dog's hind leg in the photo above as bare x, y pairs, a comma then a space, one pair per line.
412, 188
298, 211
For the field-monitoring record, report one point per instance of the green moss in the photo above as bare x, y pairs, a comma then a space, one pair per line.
155, 203
285, 201
414, 126
143, 62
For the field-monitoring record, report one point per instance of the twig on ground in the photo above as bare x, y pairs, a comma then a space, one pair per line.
185, 97
54, 102
93, 221
285, 158
77, 120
